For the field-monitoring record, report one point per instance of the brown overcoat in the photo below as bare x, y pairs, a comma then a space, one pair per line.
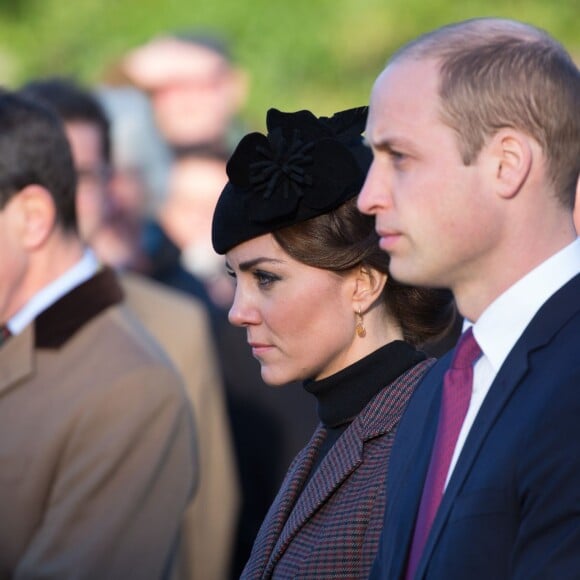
96, 444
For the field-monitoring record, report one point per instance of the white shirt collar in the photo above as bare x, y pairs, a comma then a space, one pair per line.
505, 319
84, 269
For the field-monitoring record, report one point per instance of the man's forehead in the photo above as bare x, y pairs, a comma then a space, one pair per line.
168, 60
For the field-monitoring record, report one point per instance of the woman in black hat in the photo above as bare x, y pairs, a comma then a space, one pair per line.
314, 294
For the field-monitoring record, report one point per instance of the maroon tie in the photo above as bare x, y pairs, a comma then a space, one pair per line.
5, 334
457, 388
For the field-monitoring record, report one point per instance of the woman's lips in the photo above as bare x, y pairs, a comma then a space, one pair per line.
259, 349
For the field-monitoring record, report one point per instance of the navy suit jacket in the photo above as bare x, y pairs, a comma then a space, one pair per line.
512, 505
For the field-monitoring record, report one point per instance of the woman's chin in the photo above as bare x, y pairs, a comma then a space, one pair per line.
274, 379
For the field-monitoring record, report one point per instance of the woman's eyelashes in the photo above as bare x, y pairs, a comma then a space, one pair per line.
265, 279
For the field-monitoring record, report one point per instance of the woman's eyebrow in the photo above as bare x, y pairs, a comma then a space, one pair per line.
249, 264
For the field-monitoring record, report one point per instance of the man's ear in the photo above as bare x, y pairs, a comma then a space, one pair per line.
512, 156
369, 285
38, 214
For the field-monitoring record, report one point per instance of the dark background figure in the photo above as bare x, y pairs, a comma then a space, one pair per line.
196, 91
269, 426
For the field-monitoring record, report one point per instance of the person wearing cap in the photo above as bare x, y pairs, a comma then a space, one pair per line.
314, 295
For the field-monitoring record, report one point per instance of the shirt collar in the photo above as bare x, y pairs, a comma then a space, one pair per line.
84, 269
505, 319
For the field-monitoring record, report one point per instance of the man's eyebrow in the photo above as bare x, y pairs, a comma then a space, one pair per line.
389, 144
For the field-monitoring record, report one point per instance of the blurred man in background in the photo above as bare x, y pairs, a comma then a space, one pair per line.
98, 455
196, 89
178, 322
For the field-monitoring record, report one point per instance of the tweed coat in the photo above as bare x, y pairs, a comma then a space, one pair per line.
328, 526
96, 444
178, 322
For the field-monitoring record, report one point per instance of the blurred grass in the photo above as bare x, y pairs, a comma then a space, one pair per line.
319, 54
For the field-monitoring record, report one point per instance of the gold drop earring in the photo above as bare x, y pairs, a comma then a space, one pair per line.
361, 331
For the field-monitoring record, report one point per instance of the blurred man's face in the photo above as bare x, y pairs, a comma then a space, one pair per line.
194, 187
198, 107
195, 91
93, 176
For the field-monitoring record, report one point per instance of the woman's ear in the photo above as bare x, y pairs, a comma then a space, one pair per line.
38, 215
369, 284
512, 158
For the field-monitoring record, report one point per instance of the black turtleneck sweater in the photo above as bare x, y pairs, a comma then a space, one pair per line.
342, 396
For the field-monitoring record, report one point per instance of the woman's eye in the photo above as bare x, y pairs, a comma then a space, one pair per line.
233, 276
265, 279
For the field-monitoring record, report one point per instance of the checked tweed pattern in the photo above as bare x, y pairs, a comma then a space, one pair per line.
330, 526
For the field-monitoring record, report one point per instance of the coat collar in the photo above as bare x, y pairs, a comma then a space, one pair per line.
66, 316
57, 324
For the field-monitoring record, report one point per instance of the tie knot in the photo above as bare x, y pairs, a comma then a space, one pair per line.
467, 351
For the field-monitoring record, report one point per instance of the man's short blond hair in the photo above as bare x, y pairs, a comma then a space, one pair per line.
498, 73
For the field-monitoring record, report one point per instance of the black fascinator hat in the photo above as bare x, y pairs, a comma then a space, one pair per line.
304, 167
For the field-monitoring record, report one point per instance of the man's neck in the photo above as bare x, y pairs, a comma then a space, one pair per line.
473, 299
44, 266
522, 250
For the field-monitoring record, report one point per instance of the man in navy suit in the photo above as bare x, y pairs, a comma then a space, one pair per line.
475, 129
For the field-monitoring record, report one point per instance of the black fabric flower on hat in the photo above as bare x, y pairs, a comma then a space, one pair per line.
303, 167
274, 173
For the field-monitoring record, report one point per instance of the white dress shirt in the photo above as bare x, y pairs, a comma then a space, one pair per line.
84, 269
504, 321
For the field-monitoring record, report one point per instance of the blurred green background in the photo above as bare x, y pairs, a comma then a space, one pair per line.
319, 54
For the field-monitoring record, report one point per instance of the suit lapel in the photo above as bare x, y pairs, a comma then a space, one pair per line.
541, 330
16, 359
407, 479
499, 393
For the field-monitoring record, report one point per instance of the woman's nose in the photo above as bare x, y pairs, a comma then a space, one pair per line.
242, 313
